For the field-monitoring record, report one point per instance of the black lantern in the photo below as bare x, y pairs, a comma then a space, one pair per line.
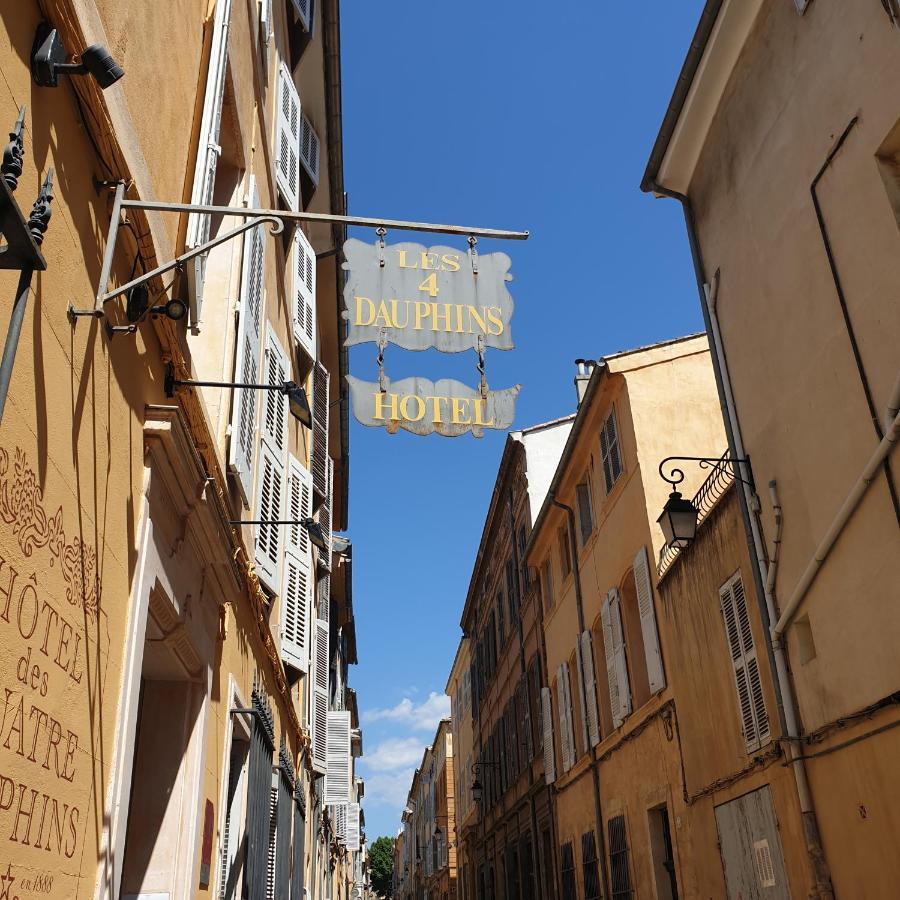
477, 791
678, 521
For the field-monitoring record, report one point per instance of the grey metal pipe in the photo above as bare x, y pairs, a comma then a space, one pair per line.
12, 335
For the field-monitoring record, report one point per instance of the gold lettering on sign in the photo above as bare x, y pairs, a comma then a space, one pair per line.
393, 407
456, 318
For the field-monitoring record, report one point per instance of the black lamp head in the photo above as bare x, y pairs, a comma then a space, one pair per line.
98, 61
316, 535
175, 309
298, 403
48, 61
678, 521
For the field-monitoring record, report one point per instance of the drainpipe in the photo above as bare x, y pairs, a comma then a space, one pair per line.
749, 504
576, 572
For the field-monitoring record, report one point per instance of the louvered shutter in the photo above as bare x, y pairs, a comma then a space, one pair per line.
304, 9
287, 139
296, 597
565, 744
318, 715
326, 516
321, 381
304, 298
309, 149
299, 507
242, 443
612, 639
275, 403
649, 630
337, 778
748, 683
269, 498
586, 646
208, 152
618, 633
353, 826
582, 691
231, 828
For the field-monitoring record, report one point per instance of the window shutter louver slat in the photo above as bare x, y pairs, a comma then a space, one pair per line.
547, 716
321, 381
319, 699
337, 778
304, 287
275, 403
295, 613
655, 673
299, 507
590, 683
287, 139
208, 151
618, 633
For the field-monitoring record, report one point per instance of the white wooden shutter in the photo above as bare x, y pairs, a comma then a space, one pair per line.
242, 443
309, 149
614, 650
748, 683
649, 630
208, 152
296, 594
304, 9
321, 404
582, 693
318, 715
337, 778
564, 711
547, 728
299, 507
269, 501
304, 287
353, 826
265, 25
275, 403
287, 139
590, 687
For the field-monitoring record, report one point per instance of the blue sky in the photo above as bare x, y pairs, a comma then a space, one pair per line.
506, 114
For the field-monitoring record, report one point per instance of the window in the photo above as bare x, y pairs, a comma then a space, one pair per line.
616, 663
526, 860
585, 653
547, 722
590, 866
747, 679
259, 785
567, 864
564, 708
549, 880
547, 585
230, 864
609, 451
501, 627
619, 873
565, 560
585, 510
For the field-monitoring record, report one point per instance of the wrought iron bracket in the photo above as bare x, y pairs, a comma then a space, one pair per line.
676, 474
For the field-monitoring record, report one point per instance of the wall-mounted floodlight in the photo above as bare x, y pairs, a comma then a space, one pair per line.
138, 305
48, 61
297, 400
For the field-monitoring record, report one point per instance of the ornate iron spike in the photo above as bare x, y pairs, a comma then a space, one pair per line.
40, 212
14, 153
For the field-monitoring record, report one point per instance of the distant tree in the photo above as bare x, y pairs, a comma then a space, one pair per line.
381, 865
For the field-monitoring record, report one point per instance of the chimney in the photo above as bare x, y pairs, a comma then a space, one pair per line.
584, 370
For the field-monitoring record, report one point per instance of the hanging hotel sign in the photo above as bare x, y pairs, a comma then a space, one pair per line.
446, 407
421, 297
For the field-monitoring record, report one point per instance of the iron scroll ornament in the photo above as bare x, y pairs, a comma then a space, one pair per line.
676, 474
